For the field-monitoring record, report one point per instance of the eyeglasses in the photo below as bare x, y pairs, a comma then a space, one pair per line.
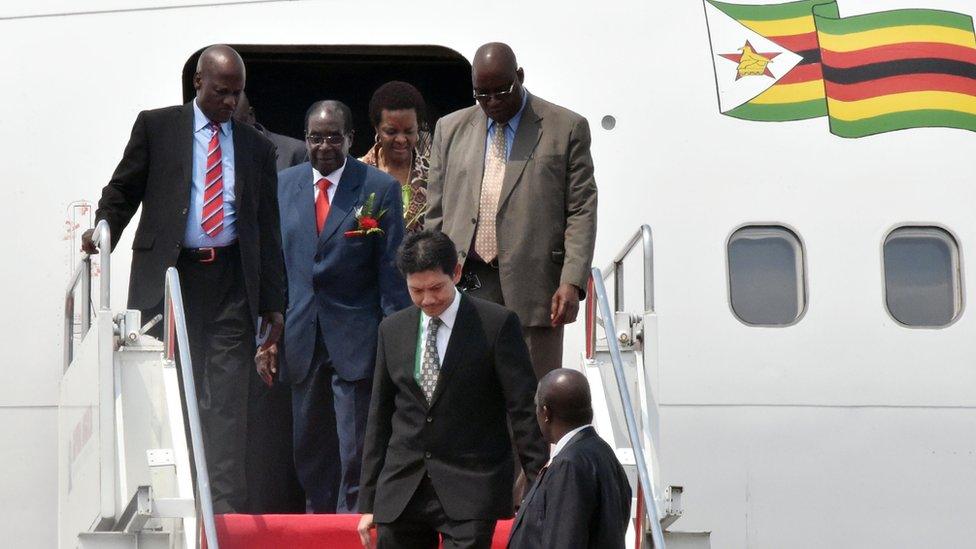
331, 139
497, 95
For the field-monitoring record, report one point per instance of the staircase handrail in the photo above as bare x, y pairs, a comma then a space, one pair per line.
175, 340
636, 441
102, 238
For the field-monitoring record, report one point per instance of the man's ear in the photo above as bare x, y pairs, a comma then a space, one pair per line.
521, 75
197, 81
456, 277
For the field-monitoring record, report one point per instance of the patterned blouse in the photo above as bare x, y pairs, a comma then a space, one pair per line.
413, 212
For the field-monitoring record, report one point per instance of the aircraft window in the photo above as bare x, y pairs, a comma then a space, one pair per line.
922, 276
767, 284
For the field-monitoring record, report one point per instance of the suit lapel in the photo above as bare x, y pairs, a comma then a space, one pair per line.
526, 138
479, 139
464, 324
345, 199
185, 152
409, 349
303, 199
240, 163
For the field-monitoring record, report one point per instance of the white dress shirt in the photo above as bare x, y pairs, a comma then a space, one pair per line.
443, 332
333, 178
564, 441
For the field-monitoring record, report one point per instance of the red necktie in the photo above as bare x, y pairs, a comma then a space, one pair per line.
322, 204
212, 217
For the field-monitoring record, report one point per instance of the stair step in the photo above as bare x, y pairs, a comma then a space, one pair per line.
305, 532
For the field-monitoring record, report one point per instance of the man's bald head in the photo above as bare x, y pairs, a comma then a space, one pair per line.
219, 81
220, 57
496, 76
563, 402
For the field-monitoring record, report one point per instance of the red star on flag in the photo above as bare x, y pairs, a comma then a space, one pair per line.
751, 62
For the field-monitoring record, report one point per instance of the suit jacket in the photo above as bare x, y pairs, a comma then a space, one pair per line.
547, 208
156, 172
289, 151
461, 439
344, 285
582, 500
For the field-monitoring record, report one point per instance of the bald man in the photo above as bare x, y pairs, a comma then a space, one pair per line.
581, 499
341, 283
511, 182
208, 192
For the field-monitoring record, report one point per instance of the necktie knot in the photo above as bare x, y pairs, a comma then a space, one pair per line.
323, 184
215, 127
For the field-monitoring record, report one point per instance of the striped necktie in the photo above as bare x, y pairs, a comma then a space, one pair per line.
213, 189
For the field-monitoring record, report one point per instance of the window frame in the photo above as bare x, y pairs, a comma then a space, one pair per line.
804, 272
959, 271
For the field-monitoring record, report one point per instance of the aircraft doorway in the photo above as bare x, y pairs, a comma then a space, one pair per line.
282, 81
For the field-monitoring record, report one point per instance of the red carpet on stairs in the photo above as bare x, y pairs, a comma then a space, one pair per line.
304, 532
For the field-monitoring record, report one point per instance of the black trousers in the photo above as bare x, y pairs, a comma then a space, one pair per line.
221, 336
423, 523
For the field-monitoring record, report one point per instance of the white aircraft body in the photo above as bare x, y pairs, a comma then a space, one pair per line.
841, 418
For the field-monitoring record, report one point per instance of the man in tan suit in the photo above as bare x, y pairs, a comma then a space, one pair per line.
511, 182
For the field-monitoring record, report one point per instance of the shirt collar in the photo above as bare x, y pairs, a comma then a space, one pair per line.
200, 121
333, 177
449, 315
564, 441
513, 122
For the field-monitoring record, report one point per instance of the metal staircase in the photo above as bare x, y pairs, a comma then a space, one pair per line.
622, 368
132, 471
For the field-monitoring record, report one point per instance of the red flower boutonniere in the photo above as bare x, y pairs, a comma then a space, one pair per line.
367, 222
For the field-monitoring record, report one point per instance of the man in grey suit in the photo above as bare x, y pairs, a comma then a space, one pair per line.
511, 182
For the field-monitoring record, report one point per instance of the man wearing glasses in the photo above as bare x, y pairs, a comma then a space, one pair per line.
341, 224
511, 182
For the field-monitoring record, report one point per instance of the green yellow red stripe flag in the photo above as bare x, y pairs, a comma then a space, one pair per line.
868, 73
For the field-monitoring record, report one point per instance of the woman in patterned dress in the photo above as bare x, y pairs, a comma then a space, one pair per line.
398, 114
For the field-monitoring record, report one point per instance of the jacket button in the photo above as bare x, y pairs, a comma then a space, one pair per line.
184, 211
427, 455
474, 220
462, 254
429, 419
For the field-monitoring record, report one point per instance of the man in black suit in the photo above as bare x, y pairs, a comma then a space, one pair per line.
582, 497
208, 192
438, 456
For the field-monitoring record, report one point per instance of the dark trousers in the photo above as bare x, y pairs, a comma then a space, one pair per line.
423, 523
545, 342
330, 426
272, 483
221, 337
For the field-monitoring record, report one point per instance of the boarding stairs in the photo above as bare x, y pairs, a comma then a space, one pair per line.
132, 469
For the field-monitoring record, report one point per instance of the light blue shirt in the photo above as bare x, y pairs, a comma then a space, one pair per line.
194, 237
510, 129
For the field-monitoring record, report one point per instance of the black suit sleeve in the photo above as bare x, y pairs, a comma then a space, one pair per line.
514, 368
570, 500
273, 287
124, 192
379, 428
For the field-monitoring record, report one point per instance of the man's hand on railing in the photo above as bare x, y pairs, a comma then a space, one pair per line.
87, 243
565, 305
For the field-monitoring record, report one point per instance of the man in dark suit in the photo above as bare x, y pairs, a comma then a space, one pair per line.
290, 151
582, 498
438, 458
342, 222
208, 193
